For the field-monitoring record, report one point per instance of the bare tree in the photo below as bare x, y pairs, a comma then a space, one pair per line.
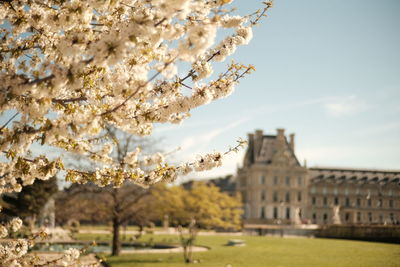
117, 205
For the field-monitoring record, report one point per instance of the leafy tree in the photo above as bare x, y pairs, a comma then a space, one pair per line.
204, 203
213, 209
31, 200
170, 201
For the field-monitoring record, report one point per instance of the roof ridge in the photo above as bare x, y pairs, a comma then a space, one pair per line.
354, 169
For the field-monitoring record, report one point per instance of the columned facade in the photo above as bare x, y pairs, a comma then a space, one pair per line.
276, 189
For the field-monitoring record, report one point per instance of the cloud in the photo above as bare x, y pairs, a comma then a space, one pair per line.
341, 106
335, 106
176, 127
381, 129
204, 139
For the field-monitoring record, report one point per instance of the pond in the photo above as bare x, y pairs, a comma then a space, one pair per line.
100, 246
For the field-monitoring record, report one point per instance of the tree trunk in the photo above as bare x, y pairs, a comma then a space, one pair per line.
116, 243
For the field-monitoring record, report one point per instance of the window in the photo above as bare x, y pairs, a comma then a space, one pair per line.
275, 196
358, 216
325, 201
369, 202
299, 181
346, 191
347, 202
244, 196
314, 217
391, 203
369, 216
336, 201
358, 202
313, 200
275, 180
287, 180
287, 197
313, 190
262, 213
262, 197
262, 179
324, 190
347, 216
379, 204
288, 213
299, 196
325, 217
275, 213
392, 217
335, 191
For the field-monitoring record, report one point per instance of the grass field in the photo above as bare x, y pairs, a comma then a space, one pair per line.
266, 251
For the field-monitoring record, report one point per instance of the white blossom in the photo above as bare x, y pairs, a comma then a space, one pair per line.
69, 257
246, 33
82, 66
228, 21
156, 158
208, 161
3, 231
203, 70
132, 157
15, 224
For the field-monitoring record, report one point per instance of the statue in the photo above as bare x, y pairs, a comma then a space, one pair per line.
166, 222
47, 216
297, 216
336, 215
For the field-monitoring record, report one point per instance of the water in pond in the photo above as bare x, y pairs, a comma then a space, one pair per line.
100, 247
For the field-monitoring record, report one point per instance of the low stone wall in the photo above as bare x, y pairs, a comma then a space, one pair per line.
280, 230
390, 234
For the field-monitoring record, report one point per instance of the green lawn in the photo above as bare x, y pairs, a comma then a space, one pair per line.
108, 228
266, 251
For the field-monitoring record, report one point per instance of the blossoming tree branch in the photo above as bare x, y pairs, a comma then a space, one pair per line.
69, 69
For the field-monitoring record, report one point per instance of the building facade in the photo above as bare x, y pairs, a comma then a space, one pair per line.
277, 189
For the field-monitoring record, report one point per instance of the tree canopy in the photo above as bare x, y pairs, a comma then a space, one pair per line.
70, 69
205, 203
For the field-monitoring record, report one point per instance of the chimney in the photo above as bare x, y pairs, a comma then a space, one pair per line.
257, 142
292, 141
259, 134
280, 133
250, 137
249, 156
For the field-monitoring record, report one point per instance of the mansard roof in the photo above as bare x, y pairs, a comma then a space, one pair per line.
270, 149
357, 176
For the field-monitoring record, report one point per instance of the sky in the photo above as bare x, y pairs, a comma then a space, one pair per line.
326, 70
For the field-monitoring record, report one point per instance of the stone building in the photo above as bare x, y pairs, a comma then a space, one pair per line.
277, 189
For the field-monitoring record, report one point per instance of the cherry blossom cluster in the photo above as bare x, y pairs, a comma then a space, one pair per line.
14, 252
71, 68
